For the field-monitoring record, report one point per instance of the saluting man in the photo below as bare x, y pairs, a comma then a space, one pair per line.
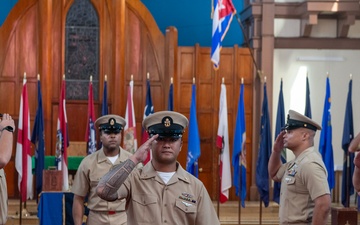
90, 171
161, 192
305, 195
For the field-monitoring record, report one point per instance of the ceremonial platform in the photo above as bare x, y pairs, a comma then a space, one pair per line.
229, 212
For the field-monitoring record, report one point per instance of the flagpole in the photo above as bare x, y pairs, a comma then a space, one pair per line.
348, 174
347, 187
240, 189
260, 216
20, 211
240, 176
20, 189
219, 188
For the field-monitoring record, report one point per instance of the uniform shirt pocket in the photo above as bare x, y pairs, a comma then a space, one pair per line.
186, 207
146, 207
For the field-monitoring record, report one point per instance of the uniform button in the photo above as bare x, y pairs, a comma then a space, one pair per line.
165, 221
165, 205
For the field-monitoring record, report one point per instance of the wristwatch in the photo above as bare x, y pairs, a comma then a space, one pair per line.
8, 128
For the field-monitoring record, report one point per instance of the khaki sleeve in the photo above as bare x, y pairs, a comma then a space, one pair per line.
81, 181
314, 177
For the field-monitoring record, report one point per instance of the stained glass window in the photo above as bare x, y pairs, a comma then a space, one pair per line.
82, 50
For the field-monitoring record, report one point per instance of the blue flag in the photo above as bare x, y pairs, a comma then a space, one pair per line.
347, 187
262, 173
325, 147
280, 123
307, 103
37, 138
239, 151
171, 98
104, 106
194, 151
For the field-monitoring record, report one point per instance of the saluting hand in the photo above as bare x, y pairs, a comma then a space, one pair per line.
357, 160
142, 152
354, 144
6, 120
279, 142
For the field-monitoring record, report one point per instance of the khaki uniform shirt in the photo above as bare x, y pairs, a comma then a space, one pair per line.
303, 180
182, 201
3, 198
92, 168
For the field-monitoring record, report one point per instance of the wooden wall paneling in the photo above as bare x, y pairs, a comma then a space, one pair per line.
8, 71
8, 96
45, 64
26, 44
133, 47
171, 49
10, 25
235, 64
117, 77
57, 41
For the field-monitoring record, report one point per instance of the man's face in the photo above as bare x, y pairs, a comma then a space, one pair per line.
165, 150
293, 138
110, 139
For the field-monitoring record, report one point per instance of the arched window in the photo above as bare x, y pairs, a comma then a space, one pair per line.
81, 50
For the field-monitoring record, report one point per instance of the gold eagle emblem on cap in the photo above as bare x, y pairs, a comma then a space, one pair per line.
167, 122
112, 121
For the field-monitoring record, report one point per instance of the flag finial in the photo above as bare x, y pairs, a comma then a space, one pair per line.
63, 76
242, 80
132, 77
350, 76
24, 75
105, 77
148, 75
38, 76
222, 80
90, 78
171, 80
193, 80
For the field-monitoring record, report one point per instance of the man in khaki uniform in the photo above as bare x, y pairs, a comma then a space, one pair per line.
161, 192
92, 168
305, 195
354, 147
7, 128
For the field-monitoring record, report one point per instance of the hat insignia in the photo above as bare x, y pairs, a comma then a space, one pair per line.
167, 122
112, 121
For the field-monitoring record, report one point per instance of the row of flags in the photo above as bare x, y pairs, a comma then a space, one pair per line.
23, 157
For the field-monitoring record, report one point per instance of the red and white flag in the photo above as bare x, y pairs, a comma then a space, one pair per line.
90, 136
23, 157
222, 142
130, 140
62, 139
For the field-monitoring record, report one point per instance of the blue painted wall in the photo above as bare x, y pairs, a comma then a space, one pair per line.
190, 17
5, 7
